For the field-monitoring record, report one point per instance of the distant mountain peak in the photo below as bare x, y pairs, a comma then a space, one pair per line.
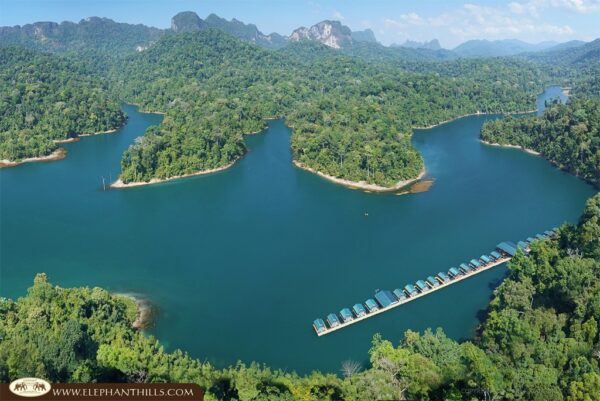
330, 33
189, 21
186, 21
433, 44
364, 36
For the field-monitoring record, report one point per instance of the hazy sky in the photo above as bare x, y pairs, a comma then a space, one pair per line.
451, 21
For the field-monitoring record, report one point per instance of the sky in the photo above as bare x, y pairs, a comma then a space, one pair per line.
393, 21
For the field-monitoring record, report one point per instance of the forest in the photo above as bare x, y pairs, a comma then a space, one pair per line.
539, 341
44, 99
351, 118
567, 135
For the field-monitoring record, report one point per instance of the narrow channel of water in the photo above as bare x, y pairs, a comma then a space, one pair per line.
241, 262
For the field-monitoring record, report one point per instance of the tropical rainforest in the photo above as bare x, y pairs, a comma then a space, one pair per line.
352, 115
568, 135
45, 99
539, 341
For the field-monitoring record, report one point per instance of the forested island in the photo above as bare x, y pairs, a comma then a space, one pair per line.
46, 99
567, 135
538, 341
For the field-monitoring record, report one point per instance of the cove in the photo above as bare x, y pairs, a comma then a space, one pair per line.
240, 262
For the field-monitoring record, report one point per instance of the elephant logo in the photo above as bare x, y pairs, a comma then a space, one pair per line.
29, 387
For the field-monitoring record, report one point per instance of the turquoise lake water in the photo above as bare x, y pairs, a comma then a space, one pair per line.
240, 262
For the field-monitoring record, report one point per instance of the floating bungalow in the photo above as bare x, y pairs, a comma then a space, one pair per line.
346, 315
421, 286
474, 263
398, 293
371, 305
485, 259
496, 255
432, 282
443, 277
410, 290
333, 320
465, 268
453, 272
359, 310
319, 326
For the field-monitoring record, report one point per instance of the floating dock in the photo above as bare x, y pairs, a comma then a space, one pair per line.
385, 300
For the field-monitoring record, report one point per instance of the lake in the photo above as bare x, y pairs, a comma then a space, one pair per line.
240, 262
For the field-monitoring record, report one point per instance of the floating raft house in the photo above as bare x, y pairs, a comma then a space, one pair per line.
385, 299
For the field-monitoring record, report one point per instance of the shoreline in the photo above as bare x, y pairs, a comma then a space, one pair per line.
118, 184
362, 185
58, 154
526, 150
479, 113
144, 310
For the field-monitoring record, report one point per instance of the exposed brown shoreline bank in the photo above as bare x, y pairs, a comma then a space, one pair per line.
144, 310
58, 154
121, 185
530, 151
363, 185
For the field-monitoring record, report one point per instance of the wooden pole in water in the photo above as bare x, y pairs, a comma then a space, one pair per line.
103, 184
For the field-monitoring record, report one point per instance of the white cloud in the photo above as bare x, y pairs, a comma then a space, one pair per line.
338, 15
411, 19
532, 6
471, 21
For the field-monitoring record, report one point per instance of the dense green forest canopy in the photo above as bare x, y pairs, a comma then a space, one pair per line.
44, 98
568, 135
352, 118
538, 342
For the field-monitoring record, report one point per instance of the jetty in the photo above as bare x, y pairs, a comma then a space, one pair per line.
385, 300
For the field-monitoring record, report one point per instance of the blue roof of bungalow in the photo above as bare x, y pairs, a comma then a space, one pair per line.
507, 247
465, 267
495, 254
453, 271
539, 236
319, 325
346, 314
475, 262
410, 288
385, 298
485, 258
549, 233
433, 281
371, 304
522, 245
421, 285
359, 309
399, 294
443, 276
332, 319
530, 240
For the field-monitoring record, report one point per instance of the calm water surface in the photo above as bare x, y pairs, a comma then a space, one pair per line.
241, 262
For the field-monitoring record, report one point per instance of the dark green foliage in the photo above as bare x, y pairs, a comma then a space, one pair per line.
351, 118
540, 341
568, 135
44, 98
